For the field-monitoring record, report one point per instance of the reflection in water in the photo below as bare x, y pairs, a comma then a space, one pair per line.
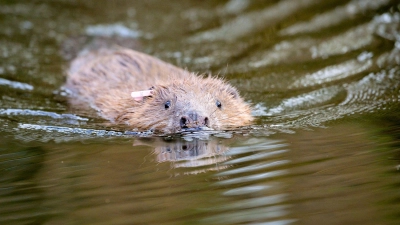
203, 181
205, 154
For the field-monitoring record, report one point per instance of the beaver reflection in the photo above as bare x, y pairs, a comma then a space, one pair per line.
195, 152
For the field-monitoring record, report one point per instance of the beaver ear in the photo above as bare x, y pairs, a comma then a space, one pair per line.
139, 95
233, 91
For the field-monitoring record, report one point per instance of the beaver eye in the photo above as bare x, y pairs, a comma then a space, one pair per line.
167, 104
218, 103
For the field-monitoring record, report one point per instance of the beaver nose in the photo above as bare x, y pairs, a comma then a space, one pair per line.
193, 120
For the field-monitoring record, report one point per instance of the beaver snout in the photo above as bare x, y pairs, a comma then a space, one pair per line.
193, 120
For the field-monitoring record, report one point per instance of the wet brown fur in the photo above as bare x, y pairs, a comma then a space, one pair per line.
105, 79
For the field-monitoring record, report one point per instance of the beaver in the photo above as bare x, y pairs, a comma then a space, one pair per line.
129, 87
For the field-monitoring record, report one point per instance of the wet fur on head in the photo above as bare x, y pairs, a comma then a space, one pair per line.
193, 93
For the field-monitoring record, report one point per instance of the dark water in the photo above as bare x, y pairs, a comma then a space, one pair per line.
323, 77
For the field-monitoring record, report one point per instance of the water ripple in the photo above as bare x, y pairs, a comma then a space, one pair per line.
69, 130
252, 178
335, 16
28, 112
248, 215
254, 167
246, 24
332, 73
311, 99
261, 155
246, 190
16, 84
259, 196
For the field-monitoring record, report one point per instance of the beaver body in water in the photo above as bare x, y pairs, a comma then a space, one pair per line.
176, 99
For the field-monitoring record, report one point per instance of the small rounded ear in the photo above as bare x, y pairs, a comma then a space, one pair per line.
139, 95
160, 91
233, 91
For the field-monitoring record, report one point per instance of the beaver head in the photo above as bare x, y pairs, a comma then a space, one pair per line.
192, 103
